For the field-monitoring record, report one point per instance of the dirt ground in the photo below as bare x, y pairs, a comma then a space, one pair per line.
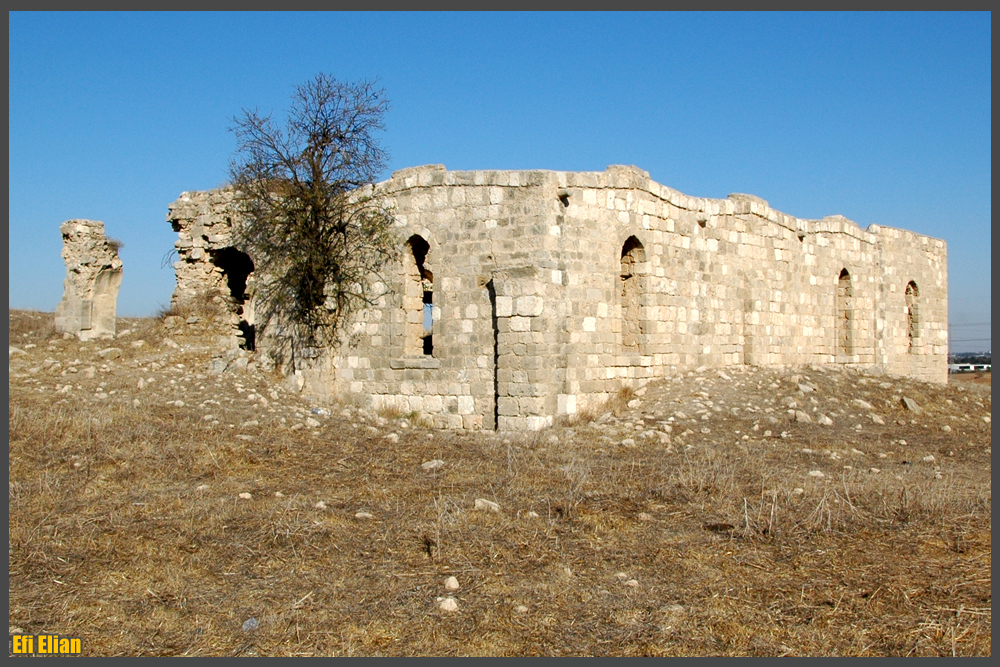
159, 505
970, 378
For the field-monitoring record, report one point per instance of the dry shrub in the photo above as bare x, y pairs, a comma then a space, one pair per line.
148, 329
205, 303
618, 404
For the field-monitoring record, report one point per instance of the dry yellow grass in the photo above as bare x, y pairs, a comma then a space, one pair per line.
126, 525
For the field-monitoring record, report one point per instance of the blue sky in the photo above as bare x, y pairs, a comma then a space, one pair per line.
883, 118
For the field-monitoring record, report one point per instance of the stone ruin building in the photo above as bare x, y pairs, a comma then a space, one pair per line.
93, 276
525, 295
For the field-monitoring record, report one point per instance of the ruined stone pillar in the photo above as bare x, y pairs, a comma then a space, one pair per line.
93, 276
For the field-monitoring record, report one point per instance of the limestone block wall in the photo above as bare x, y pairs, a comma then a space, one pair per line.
493, 344
912, 316
523, 295
93, 276
212, 275
720, 283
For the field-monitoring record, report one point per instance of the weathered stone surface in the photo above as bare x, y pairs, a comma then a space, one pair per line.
93, 276
295, 382
447, 604
802, 417
546, 293
217, 366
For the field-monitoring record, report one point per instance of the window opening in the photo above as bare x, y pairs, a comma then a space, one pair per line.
631, 293
492, 291
845, 314
912, 315
418, 300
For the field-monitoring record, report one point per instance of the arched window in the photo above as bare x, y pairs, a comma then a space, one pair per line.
632, 254
912, 315
845, 315
418, 299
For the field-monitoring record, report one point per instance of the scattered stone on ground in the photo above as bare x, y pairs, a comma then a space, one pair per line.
820, 413
447, 604
486, 505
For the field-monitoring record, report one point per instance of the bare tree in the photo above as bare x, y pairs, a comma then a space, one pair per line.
308, 214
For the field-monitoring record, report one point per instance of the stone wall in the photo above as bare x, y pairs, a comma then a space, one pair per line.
550, 291
212, 275
93, 276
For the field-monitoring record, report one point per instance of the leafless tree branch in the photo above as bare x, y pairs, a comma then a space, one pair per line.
318, 239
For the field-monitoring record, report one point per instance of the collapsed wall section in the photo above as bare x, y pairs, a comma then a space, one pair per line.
214, 278
93, 276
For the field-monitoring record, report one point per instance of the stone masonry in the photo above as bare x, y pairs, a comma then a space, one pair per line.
547, 292
210, 272
93, 276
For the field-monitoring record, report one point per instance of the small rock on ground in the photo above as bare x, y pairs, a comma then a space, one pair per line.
447, 604
488, 505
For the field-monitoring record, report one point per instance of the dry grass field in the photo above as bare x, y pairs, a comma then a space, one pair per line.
156, 508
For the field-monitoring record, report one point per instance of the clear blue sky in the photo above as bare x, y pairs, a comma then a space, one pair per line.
883, 118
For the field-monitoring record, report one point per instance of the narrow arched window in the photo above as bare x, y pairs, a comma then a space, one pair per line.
418, 299
912, 316
631, 293
845, 315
